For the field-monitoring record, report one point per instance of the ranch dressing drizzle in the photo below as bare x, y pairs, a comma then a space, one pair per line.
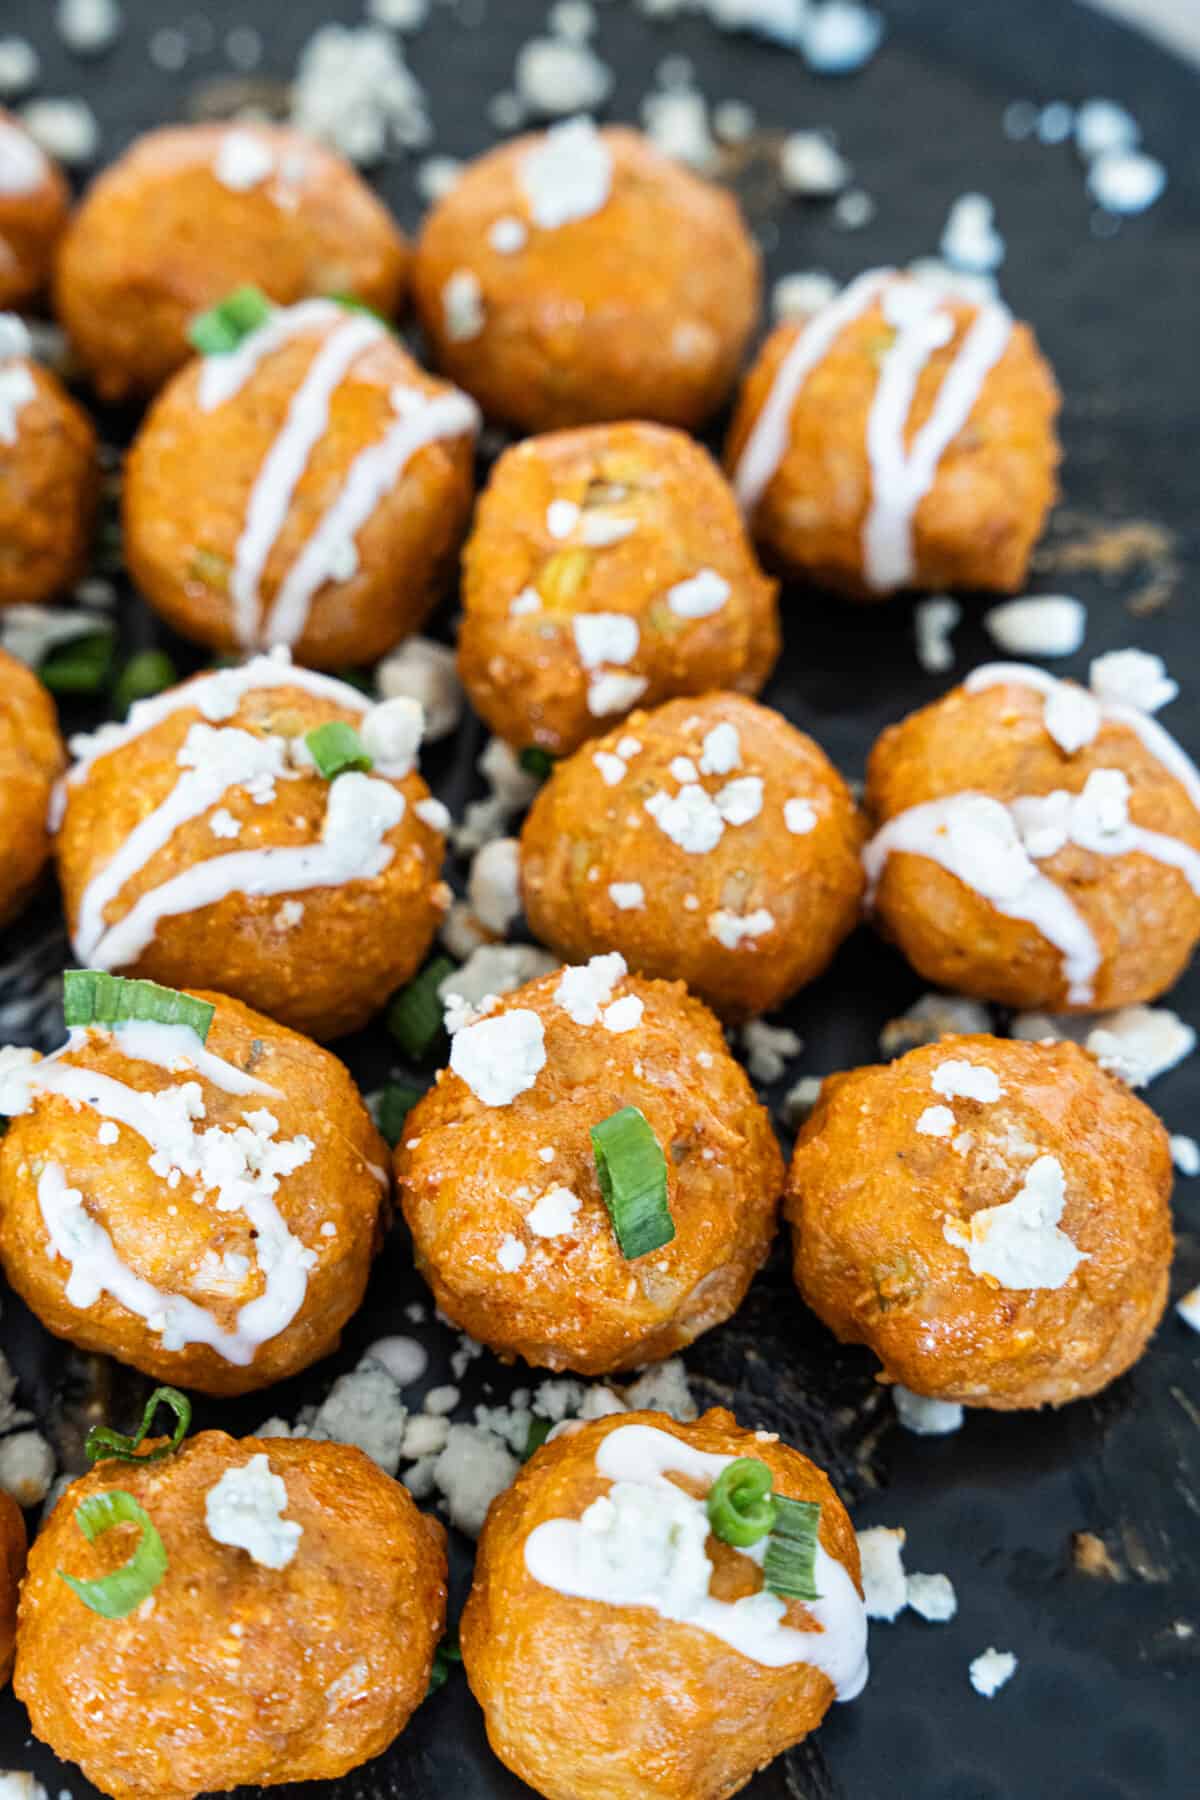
223, 376
644, 1545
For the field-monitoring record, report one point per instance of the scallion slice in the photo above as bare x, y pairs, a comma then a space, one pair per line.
416, 1014
223, 326
395, 1103
93, 997
446, 1654
352, 303
149, 672
536, 761
741, 1506
632, 1172
81, 667
539, 1431
104, 1443
115, 1595
792, 1550
336, 747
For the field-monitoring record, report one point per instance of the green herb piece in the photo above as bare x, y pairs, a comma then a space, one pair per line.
223, 326
336, 747
632, 1172
149, 672
115, 1595
103, 1442
84, 666
539, 1431
395, 1103
444, 1657
352, 303
93, 997
416, 1014
792, 1550
741, 1508
536, 761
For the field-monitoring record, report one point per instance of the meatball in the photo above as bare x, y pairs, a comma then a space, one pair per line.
206, 1211
34, 201
193, 211
200, 843
309, 488
709, 841
903, 437
990, 1217
31, 758
49, 476
290, 1638
618, 1647
498, 1176
1037, 844
13, 1548
580, 275
608, 566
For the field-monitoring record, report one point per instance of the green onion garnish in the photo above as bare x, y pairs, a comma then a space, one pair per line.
536, 761
741, 1507
149, 672
336, 747
539, 1431
632, 1172
115, 1595
81, 667
415, 1015
93, 997
352, 303
103, 1442
792, 1550
444, 1656
395, 1103
223, 326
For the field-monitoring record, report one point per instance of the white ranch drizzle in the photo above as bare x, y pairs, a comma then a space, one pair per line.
221, 377
637, 1457
177, 1049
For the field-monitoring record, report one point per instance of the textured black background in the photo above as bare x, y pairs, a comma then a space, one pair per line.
1105, 1698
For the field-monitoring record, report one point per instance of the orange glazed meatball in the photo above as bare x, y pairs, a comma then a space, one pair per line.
619, 1647
709, 841
903, 437
607, 566
991, 1218
12, 1567
31, 758
34, 201
500, 1186
580, 274
204, 1209
289, 1638
308, 488
1038, 844
49, 476
200, 842
193, 211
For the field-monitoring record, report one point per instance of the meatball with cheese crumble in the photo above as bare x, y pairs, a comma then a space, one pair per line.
623, 1640
191, 212
579, 275
13, 1547
708, 841
990, 1217
31, 760
592, 1182
607, 567
34, 202
49, 476
281, 1626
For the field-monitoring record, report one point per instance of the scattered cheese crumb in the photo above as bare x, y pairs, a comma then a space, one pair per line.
800, 816
1038, 625
1185, 1154
499, 1058
768, 1048
510, 1255
933, 623
810, 165
936, 1121
926, 1417
245, 1510
991, 1670
884, 1587
966, 1081
970, 240
627, 896
1132, 678
1189, 1308
462, 306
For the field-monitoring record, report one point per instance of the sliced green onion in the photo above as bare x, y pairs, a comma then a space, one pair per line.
792, 1550
632, 1172
446, 1654
415, 1015
539, 1431
336, 747
103, 1442
115, 1595
223, 326
149, 672
93, 997
356, 678
395, 1103
536, 761
81, 667
352, 303
741, 1508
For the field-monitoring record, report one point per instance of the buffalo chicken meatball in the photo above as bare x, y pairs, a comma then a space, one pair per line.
31, 758
708, 841
289, 1637
205, 1209
12, 1567
500, 1183
49, 476
201, 842
34, 201
619, 1646
903, 437
308, 487
193, 211
608, 566
581, 275
1038, 844
991, 1218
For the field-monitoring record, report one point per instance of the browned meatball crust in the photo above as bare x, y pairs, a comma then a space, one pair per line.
13, 1548
31, 759
34, 202
49, 487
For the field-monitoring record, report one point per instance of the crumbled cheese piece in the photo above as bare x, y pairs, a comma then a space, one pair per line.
222, 823
26, 1465
740, 801
245, 1509
931, 1017
527, 601
1038, 625
611, 767
364, 1408
768, 1048
676, 121
884, 1587
800, 1100
663, 1388
553, 1214
991, 1670
732, 929
603, 637
431, 812
624, 1014
65, 129
933, 625
1132, 678
1126, 181
108, 1133
437, 176
567, 175
470, 1472
839, 36
970, 240
1138, 1043
599, 530
499, 1058
1102, 125
403, 1357
442, 1400
1185, 1154
722, 750
30, 632
932, 1597
462, 306
88, 27
494, 884
553, 76
1018, 1243
734, 121
1189, 1308
587, 987
924, 1416
353, 89
629, 747
426, 672
853, 209
627, 896
391, 734
243, 161
493, 969
612, 693
966, 1081
799, 816
810, 165
689, 818
936, 1121
803, 293
511, 1254
425, 1434
699, 596
1071, 716
20, 66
